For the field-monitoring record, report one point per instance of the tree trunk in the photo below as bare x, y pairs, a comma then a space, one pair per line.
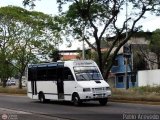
100, 60
99, 55
158, 61
4, 82
20, 81
107, 71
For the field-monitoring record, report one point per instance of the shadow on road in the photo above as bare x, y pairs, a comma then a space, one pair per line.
67, 103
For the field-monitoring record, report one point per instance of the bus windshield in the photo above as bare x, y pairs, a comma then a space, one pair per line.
87, 73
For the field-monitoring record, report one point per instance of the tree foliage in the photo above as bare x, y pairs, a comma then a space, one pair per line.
24, 35
55, 56
155, 45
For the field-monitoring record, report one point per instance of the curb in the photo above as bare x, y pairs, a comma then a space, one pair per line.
135, 101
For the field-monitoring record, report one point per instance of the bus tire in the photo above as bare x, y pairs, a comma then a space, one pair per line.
76, 99
103, 101
42, 98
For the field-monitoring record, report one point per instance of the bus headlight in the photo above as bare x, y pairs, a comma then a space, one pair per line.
86, 89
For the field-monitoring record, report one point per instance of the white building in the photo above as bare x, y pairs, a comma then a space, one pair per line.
149, 78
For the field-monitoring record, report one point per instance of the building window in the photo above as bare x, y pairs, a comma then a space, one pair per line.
120, 79
115, 63
124, 61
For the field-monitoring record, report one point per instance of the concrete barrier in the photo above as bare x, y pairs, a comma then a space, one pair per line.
149, 78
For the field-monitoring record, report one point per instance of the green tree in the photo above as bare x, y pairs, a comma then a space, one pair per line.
6, 68
89, 19
155, 45
29, 34
55, 56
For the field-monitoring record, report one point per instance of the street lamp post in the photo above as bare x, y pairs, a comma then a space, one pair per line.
126, 52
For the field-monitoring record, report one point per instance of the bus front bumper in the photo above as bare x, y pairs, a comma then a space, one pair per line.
92, 95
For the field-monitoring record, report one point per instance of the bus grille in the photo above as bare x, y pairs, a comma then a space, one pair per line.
99, 90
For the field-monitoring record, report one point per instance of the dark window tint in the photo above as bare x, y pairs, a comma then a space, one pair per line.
133, 78
41, 73
115, 63
32, 74
51, 73
120, 79
68, 76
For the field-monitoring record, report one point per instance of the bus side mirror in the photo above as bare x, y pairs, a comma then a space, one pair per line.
69, 77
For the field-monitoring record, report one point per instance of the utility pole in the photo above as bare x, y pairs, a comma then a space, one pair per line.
126, 74
126, 51
126, 19
127, 54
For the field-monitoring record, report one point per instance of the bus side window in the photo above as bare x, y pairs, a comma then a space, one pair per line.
41, 73
52, 73
68, 76
32, 74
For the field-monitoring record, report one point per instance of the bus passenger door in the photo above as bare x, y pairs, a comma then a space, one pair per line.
60, 84
33, 81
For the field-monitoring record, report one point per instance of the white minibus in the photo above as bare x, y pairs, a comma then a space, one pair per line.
76, 81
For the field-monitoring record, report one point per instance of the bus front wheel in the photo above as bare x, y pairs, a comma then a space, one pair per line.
103, 101
76, 100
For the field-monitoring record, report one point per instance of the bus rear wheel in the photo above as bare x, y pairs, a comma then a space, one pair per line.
42, 98
103, 101
76, 100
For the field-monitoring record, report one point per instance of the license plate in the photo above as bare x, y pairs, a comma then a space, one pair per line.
99, 96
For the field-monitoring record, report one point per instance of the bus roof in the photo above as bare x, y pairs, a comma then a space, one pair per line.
68, 63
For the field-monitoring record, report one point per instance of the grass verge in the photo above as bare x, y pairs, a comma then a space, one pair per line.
138, 94
13, 90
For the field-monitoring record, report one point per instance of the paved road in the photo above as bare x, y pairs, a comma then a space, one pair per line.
27, 109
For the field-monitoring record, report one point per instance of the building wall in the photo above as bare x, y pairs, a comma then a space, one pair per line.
149, 78
120, 73
121, 66
69, 55
121, 83
138, 40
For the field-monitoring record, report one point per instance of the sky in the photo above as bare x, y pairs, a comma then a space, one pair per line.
50, 7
